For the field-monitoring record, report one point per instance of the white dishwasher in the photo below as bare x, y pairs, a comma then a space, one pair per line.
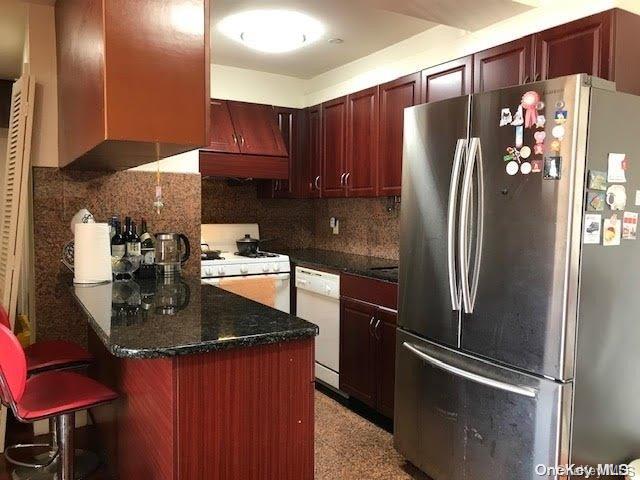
318, 301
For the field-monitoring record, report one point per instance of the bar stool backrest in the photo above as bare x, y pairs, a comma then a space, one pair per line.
13, 368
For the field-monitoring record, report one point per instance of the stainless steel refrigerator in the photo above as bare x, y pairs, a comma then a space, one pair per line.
518, 344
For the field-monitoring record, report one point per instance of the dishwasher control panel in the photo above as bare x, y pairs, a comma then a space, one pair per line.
322, 283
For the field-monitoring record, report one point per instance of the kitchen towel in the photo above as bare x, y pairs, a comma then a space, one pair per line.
92, 253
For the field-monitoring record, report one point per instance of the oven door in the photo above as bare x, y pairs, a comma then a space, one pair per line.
272, 290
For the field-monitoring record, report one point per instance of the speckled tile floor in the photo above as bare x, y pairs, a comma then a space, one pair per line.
349, 447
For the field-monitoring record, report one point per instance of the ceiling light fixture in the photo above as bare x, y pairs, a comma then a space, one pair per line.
272, 31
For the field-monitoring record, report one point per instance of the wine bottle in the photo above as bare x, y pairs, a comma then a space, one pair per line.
133, 241
146, 239
118, 247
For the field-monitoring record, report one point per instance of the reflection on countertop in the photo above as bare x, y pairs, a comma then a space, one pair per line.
149, 319
372, 267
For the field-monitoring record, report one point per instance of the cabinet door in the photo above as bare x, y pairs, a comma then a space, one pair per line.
257, 130
395, 96
313, 183
582, 46
503, 66
287, 119
447, 80
334, 132
222, 137
362, 143
357, 350
386, 360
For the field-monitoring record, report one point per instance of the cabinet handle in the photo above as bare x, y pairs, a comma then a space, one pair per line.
241, 140
346, 178
235, 138
277, 186
376, 329
537, 77
316, 182
526, 79
371, 331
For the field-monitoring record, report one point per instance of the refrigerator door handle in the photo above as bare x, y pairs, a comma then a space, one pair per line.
451, 222
474, 159
474, 377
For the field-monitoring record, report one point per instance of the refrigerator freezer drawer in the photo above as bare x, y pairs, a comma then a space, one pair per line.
460, 417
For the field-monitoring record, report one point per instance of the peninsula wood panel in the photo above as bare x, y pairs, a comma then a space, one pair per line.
395, 96
448, 80
258, 419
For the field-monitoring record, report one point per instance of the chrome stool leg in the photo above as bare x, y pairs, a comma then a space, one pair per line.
66, 424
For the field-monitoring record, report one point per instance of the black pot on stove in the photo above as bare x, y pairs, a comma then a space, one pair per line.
248, 245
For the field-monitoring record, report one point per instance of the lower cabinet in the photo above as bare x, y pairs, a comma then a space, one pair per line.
367, 343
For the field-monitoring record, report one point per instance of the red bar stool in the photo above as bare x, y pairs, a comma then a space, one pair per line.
42, 357
55, 394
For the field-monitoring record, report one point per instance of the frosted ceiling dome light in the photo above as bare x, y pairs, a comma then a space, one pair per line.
272, 31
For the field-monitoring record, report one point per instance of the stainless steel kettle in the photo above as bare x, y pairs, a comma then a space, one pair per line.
172, 250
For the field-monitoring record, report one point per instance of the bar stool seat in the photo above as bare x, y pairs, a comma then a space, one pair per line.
55, 393
55, 354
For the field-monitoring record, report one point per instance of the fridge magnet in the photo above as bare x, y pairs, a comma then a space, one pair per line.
555, 146
539, 137
518, 118
530, 102
540, 105
592, 229
560, 117
525, 168
538, 149
617, 166
519, 136
525, 152
616, 197
505, 117
552, 168
512, 168
597, 180
559, 104
536, 166
629, 226
595, 201
558, 132
611, 231
637, 197
541, 121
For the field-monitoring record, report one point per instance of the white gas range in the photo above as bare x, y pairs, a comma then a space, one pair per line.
264, 277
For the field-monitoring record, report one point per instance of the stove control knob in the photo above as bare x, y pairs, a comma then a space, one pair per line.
244, 269
221, 270
265, 268
276, 267
209, 271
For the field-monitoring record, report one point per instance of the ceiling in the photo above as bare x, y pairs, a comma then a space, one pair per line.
366, 26
12, 31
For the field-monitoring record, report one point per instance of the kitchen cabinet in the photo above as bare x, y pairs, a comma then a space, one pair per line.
222, 136
503, 66
334, 132
447, 80
368, 319
395, 96
129, 81
362, 143
313, 163
256, 129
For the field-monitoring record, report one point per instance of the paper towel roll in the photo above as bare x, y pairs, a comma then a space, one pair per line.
92, 253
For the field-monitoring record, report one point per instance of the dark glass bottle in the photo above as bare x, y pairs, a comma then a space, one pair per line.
118, 247
127, 228
145, 237
133, 241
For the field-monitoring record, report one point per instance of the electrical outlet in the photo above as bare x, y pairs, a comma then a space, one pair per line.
334, 223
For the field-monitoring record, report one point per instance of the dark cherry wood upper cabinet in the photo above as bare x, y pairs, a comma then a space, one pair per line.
313, 178
222, 137
362, 143
357, 350
256, 129
334, 147
582, 46
395, 96
130, 78
447, 80
503, 66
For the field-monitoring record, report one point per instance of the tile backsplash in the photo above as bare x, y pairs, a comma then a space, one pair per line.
367, 227
59, 194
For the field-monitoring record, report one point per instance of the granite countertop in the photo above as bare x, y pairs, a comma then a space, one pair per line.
372, 267
146, 319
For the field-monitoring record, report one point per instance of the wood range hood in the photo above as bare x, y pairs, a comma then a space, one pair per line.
132, 75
